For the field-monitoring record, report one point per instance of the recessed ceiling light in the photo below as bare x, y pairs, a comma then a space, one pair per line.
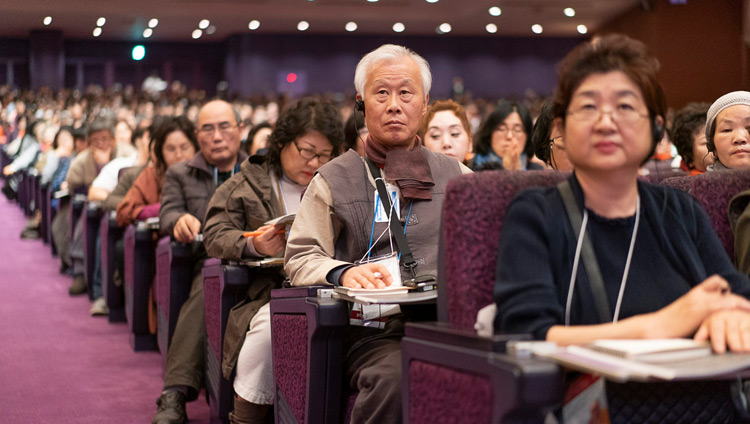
138, 53
351, 26
97, 31
148, 32
582, 29
204, 23
101, 21
537, 28
491, 28
210, 30
399, 27
495, 11
153, 23
372, 1
569, 12
47, 20
303, 26
431, 1
197, 34
253, 25
444, 28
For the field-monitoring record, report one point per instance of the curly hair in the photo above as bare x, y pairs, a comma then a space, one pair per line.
299, 118
483, 138
168, 126
687, 124
440, 106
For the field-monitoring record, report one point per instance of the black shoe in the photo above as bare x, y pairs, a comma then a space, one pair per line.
78, 286
171, 408
30, 234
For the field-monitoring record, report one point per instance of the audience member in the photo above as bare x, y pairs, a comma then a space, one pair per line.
548, 142
188, 187
355, 132
257, 139
328, 242
502, 138
307, 135
728, 131
689, 130
445, 129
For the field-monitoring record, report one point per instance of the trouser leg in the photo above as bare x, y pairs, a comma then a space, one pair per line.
186, 355
254, 379
375, 372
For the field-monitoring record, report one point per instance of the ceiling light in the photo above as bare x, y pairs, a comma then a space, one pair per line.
569, 12
495, 11
153, 23
204, 23
372, 1
431, 1
138, 52
303, 26
491, 28
253, 25
197, 34
101, 21
537, 29
47, 20
444, 28
97, 31
351, 26
582, 29
147, 32
210, 30
398, 27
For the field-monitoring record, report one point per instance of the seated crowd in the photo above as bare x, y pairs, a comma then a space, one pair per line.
221, 170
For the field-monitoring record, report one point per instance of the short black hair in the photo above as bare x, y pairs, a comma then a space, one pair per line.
686, 124
64, 128
483, 138
354, 123
305, 115
166, 127
540, 135
251, 135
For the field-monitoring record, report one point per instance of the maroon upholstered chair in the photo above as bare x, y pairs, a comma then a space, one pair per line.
174, 275
449, 374
140, 242
308, 352
714, 190
43, 198
111, 234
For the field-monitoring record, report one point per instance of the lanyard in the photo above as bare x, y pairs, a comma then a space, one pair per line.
216, 173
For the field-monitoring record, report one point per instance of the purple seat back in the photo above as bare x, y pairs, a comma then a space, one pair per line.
290, 360
472, 218
714, 190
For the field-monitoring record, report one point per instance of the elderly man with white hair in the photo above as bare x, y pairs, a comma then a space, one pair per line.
340, 235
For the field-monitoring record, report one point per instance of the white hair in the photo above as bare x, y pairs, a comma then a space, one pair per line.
390, 52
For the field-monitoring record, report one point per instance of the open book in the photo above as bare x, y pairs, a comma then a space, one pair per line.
653, 350
389, 295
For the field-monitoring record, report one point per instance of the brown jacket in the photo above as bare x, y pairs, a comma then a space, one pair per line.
243, 203
146, 190
188, 186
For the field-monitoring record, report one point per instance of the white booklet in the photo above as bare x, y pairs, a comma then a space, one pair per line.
652, 350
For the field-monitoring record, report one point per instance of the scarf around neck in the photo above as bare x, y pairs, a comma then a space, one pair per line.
409, 169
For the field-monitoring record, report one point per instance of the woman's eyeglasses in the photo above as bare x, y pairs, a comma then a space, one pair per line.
309, 154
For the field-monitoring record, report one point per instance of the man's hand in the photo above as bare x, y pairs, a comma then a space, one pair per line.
367, 276
272, 241
186, 228
726, 328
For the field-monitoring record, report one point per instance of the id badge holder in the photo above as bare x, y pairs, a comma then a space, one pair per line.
381, 211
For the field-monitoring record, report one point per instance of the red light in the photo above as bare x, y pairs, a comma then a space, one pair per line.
291, 77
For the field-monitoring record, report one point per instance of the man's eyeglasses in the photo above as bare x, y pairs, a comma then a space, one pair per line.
502, 129
309, 154
589, 114
209, 129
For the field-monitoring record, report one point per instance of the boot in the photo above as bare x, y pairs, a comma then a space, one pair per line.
247, 413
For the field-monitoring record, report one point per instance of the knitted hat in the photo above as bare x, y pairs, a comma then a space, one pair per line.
723, 102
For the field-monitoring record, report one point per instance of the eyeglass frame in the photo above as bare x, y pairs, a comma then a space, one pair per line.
516, 131
598, 113
319, 156
210, 129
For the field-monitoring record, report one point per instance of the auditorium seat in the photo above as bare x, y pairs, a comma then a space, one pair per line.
140, 244
307, 328
111, 236
92, 222
52, 208
224, 286
174, 275
714, 190
42, 199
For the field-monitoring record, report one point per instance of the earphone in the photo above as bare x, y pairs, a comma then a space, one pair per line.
657, 131
360, 106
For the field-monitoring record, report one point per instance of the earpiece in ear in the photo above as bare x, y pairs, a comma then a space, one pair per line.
658, 130
360, 106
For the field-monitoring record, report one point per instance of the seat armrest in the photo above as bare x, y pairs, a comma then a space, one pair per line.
444, 333
302, 291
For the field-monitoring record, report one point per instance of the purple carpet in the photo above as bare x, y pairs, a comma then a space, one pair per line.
57, 363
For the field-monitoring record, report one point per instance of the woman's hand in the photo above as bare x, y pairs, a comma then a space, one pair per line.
272, 241
367, 276
726, 328
512, 157
683, 316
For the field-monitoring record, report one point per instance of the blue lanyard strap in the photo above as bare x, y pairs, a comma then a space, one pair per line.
372, 227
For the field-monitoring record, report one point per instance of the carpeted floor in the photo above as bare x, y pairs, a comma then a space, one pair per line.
58, 364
